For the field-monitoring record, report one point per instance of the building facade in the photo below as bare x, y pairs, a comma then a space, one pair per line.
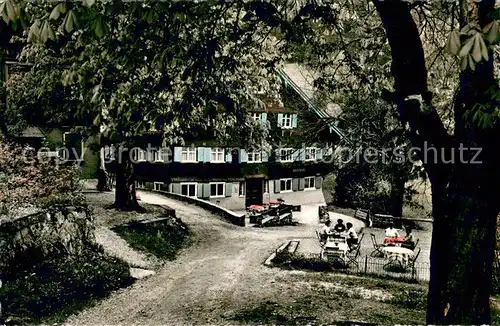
235, 178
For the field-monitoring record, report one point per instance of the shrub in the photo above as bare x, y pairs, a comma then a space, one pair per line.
163, 239
61, 285
411, 299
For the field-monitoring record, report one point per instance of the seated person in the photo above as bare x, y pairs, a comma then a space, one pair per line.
339, 227
325, 231
391, 232
352, 236
409, 241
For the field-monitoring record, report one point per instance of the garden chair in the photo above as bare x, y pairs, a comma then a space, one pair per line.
351, 258
376, 246
411, 263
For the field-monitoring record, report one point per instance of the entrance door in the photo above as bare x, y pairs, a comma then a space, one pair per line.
254, 191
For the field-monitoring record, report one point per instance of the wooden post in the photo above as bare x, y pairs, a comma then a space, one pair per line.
366, 264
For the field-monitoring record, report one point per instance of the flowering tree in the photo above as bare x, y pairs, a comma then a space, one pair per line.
26, 181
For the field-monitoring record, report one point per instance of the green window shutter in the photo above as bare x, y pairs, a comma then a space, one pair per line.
280, 118
295, 184
319, 181
229, 157
199, 190
177, 154
207, 155
276, 186
229, 189
264, 117
206, 190
176, 188
294, 120
243, 156
301, 184
201, 154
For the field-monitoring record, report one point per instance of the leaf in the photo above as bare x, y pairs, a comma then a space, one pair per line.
88, 3
99, 27
70, 21
472, 65
467, 47
493, 33
463, 63
56, 12
453, 44
96, 92
476, 50
34, 32
484, 48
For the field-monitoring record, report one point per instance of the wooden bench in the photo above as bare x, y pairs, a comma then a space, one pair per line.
285, 218
268, 220
364, 215
382, 220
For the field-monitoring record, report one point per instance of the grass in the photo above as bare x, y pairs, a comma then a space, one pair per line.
163, 239
319, 304
60, 286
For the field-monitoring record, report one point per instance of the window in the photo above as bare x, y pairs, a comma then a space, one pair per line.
217, 189
286, 120
256, 116
254, 156
310, 154
217, 155
241, 191
309, 183
266, 186
285, 185
158, 185
286, 154
159, 156
189, 189
188, 154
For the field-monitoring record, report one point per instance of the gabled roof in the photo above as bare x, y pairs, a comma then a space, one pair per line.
300, 81
32, 132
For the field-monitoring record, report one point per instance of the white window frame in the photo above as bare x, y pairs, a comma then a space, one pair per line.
241, 189
286, 121
223, 190
284, 154
189, 153
195, 184
307, 185
286, 181
256, 116
313, 151
159, 184
158, 156
266, 186
217, 155
254, 156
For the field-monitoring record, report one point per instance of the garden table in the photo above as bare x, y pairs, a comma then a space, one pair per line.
398, 254
394, 240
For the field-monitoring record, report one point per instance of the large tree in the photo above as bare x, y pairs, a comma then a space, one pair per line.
136, 68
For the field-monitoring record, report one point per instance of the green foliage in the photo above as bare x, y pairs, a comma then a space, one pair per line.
59, 286
410, 299
162, 239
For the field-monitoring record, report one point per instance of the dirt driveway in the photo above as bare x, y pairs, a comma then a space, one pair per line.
220, 273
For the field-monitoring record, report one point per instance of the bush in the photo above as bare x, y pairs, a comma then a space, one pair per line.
411, 299
60, 286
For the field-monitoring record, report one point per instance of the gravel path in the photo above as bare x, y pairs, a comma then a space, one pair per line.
222, 271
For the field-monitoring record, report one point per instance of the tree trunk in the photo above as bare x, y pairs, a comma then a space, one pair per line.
397, 196
125, 196
464, 195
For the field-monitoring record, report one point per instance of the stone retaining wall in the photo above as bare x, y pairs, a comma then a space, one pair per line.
32, 237
211, 207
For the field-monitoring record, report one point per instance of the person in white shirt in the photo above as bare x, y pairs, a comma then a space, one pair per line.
391, 232
352, 236
325, 231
